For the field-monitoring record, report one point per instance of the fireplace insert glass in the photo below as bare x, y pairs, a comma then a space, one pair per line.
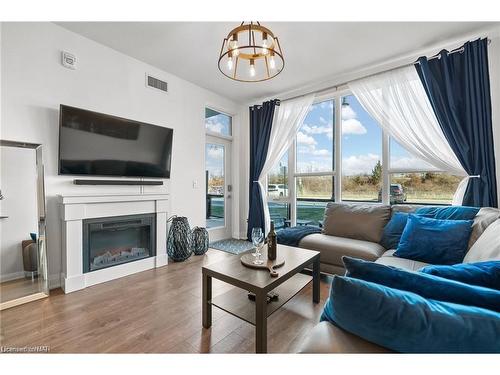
116, 240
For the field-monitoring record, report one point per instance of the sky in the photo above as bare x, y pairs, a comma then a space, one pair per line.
361, 141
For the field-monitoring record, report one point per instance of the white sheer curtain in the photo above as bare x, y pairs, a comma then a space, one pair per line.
287, 120
397, 100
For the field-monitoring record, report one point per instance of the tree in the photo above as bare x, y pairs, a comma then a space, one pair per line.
376, 173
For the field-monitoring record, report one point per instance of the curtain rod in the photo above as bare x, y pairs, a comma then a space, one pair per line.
336, 87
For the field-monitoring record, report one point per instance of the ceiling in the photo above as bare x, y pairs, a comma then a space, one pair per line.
314, 51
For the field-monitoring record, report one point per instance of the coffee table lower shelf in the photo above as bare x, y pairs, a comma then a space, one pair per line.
237, 303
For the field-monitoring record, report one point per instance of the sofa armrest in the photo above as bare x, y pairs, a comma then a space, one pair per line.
327, 338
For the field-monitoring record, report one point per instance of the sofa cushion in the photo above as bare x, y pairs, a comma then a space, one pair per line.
406, 322
487, 247
482, 220
407, 208
389, 259
358, 221
485, 274
327, 338
434, 241
332, 248
423, 284
448, 212
393, 230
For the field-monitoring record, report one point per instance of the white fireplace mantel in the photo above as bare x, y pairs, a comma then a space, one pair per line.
76, 208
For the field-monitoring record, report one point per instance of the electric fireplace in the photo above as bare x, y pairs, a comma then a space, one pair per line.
111, 241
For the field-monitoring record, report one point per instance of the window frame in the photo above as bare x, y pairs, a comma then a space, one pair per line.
387, 171
335, 96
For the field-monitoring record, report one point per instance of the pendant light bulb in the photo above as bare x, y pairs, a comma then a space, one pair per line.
272, 62
252, 68
230, 63
265, 44
233, 45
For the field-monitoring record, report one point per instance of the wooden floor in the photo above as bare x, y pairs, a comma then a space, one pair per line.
156, 311
14, 289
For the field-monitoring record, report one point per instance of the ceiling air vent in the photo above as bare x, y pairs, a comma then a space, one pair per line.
156, 83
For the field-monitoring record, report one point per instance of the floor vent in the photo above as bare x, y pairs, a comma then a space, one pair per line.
156, 83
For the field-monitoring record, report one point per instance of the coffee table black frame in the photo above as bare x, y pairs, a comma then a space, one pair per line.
236, 302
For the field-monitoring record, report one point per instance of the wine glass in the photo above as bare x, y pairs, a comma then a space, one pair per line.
257, 240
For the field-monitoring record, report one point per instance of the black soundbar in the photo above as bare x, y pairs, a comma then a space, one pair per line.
115, 182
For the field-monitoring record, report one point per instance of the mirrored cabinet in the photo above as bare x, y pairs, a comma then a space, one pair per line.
23, 255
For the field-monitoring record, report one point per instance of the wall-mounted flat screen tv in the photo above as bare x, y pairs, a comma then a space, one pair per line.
96, 144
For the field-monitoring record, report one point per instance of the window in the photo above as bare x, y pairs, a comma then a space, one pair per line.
423, 187
278, 193
413, 180
277, 180
218, 146
339, 138
217, 122
401, 159
313, 193
214, 166
361, 153
315, 139
315, 163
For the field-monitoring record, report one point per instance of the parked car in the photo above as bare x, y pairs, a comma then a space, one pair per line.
397, 195
282, 190
277, 190
272, 190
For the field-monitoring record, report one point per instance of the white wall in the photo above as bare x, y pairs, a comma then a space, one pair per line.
34, 84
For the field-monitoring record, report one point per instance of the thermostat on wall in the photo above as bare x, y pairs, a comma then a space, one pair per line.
68, 60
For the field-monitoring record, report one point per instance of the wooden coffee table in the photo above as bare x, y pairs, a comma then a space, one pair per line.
236, 302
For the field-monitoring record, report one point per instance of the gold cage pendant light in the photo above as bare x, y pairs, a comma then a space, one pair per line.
251, 53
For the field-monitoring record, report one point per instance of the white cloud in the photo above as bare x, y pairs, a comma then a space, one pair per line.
214, 126
348, 113
359, 164
410, 162
353, 126
215, 153
314, 129
321, 152
323, 120
305, 139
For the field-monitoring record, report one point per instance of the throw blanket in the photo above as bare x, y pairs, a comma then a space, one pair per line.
292, 236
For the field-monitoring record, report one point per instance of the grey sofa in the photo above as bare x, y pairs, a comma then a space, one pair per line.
355, 230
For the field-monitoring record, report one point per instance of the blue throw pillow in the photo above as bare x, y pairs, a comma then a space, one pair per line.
485, 274
408, 323
393, 230
448, 212
434, 241
428, 286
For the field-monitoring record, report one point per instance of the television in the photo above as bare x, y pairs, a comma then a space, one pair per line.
96, 144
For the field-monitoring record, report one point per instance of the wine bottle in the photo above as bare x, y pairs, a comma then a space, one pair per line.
271, 243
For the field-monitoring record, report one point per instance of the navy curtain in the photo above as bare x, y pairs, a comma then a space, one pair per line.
261, 122
458, 87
